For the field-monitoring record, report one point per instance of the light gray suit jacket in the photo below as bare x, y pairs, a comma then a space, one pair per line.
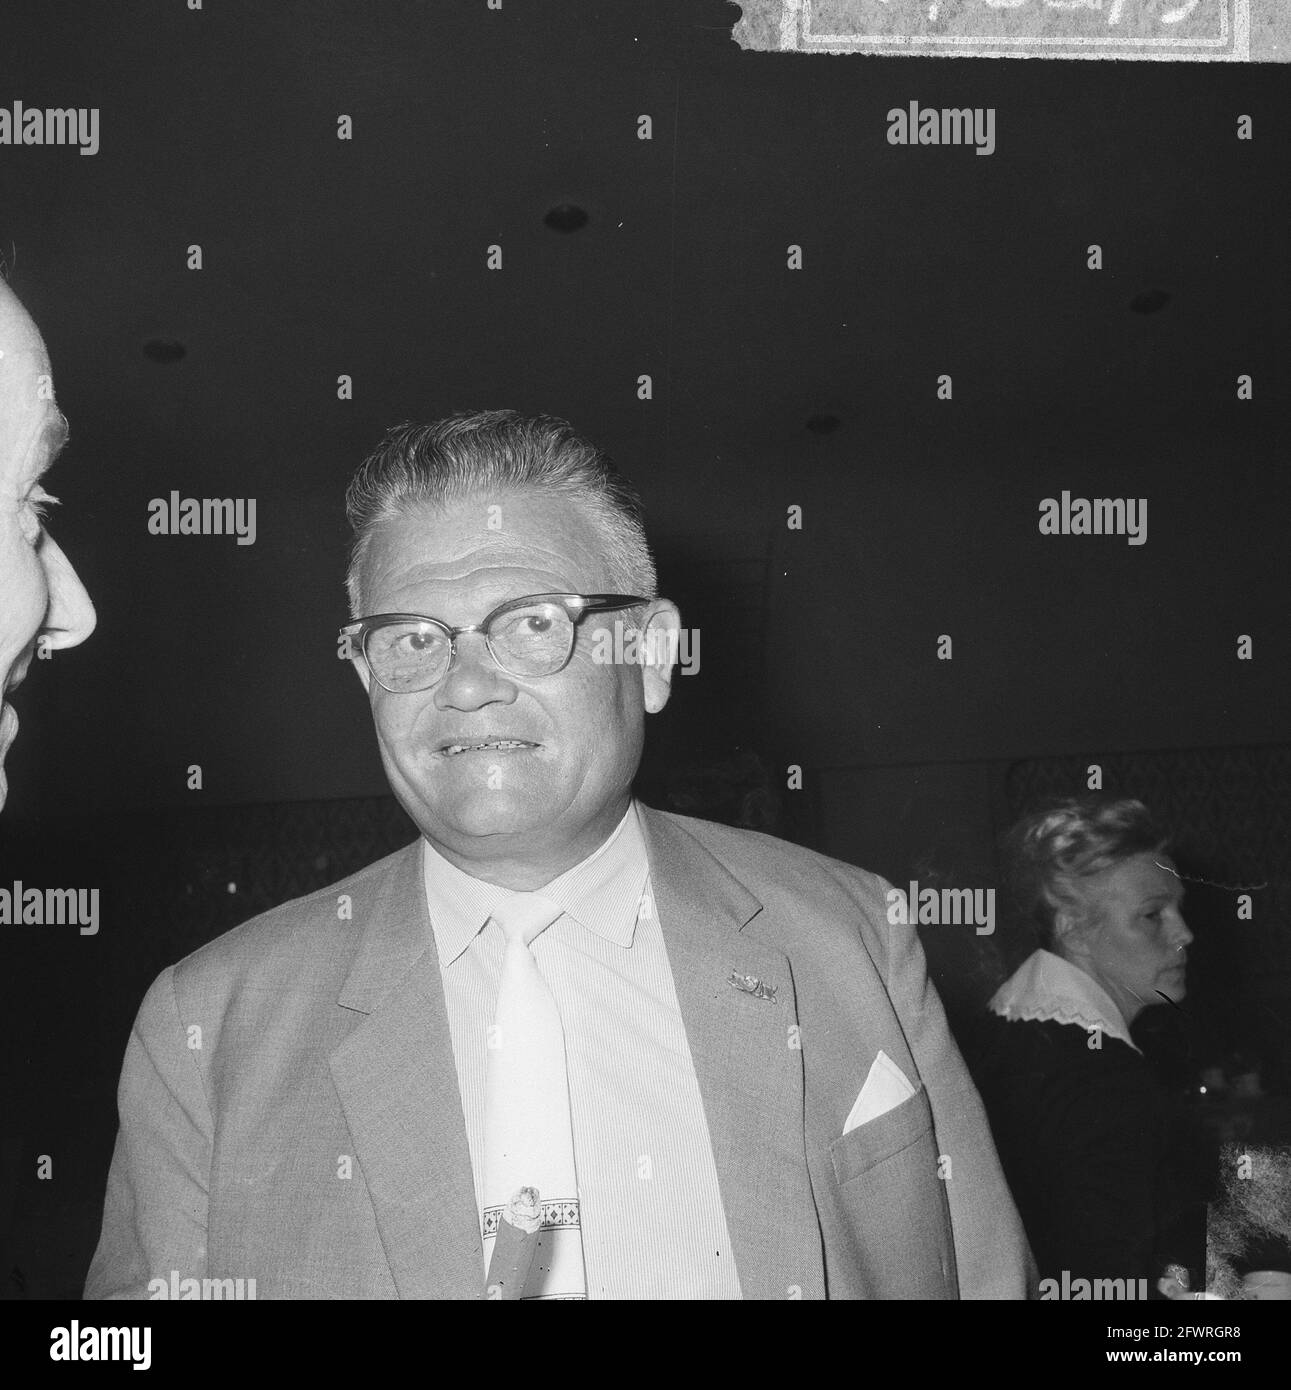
305, 1038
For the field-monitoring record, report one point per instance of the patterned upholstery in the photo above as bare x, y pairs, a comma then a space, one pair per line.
219, 866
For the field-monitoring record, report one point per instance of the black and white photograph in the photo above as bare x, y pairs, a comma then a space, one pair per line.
645, 657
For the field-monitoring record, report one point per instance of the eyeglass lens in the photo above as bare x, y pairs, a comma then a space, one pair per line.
535, 640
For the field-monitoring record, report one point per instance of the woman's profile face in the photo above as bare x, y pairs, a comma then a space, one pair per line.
1133, 940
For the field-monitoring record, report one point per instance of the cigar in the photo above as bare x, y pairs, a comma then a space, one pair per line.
515, 1244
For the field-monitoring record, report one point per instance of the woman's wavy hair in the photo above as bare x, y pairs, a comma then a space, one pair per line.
1049, 850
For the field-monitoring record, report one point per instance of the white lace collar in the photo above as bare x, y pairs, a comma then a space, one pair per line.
1047, 987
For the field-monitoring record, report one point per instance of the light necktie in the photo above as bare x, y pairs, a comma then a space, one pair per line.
528, 1139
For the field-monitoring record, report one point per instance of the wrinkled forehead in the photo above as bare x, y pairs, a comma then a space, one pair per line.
29, 418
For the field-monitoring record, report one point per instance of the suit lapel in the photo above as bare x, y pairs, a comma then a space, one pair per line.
746, 1059
397, 1082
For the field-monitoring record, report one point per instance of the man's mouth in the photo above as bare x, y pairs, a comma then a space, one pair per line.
487, 745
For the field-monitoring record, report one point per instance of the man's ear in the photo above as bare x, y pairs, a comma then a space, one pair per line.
660, 642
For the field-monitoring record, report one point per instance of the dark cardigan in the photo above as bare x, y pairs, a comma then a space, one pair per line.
1110, 1179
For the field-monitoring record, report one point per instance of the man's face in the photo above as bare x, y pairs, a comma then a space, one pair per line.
1135, 941
40, 594
553, 799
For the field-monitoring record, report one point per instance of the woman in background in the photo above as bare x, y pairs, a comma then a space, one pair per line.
1106, 1175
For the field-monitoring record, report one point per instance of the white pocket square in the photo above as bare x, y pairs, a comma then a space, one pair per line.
885, 1088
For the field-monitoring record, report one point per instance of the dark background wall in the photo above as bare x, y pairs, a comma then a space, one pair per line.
772, 388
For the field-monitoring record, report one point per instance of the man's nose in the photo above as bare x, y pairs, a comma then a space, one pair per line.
70, 617
473, 677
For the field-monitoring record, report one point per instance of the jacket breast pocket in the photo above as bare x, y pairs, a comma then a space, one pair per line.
896, 1236
870, 1144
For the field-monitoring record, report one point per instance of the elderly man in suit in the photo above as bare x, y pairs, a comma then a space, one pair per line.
640, 1055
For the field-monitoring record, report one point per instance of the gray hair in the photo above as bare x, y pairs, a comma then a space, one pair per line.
1049, 850
475, 453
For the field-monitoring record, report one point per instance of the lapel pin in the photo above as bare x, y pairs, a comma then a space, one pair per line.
750, 984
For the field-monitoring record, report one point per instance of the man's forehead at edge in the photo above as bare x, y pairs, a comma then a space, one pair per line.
19, 336
30, 421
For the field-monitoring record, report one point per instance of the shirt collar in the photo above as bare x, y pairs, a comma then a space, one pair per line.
1046, 987
602, 893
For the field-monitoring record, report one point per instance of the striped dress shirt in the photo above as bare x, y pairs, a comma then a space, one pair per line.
652, 1217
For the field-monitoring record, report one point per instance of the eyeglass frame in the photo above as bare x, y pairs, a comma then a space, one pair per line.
581, 604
